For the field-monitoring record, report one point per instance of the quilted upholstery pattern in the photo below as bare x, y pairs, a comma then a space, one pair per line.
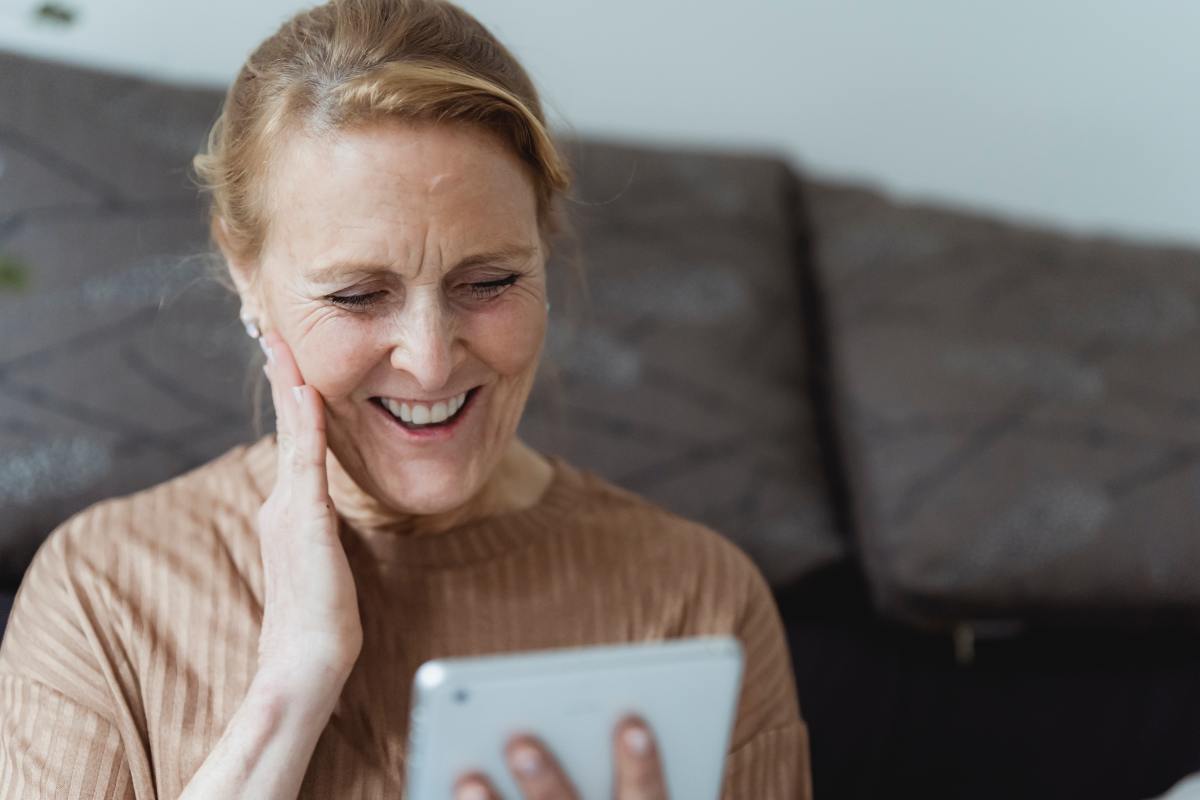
686, 377
1019, 408
122, 362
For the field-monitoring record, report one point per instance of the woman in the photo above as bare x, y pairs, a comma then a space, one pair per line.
384, 192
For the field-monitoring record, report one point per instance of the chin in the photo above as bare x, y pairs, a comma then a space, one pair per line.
426, 487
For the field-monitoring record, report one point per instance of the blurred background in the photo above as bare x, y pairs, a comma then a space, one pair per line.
1074, 112
903, 298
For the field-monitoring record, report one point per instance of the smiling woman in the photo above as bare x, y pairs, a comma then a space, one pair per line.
404, 266
385, 195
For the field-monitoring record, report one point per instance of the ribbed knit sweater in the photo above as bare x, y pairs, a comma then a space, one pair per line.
134, 635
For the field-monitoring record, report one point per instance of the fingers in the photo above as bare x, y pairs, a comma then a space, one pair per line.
281, 361
283, 374
475, 787
536, 771
279, 399
308, 459
639, 773
300, 421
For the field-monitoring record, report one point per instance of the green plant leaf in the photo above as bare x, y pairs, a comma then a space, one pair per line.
13, 274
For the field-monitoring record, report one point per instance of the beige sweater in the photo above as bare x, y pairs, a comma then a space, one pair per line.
134, 635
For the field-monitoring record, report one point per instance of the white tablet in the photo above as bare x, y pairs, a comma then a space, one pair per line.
466, 709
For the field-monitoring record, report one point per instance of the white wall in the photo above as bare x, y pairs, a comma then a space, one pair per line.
1082, 113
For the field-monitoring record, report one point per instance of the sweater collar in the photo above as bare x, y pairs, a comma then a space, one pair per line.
385, 533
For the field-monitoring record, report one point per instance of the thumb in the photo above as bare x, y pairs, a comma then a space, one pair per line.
308, 462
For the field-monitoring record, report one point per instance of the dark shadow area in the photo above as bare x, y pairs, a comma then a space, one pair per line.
1049, 713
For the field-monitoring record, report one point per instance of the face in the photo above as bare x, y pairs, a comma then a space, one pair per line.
404, 267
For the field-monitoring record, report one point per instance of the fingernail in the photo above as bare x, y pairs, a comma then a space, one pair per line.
262, 342
527, 760
298, 393
637, 740
471, 791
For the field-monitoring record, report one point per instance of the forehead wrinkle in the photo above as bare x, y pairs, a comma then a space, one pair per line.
514, 253
440, 198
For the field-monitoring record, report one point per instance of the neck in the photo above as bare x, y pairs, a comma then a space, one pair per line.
517, 482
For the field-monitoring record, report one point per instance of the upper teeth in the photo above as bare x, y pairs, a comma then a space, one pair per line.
422, 414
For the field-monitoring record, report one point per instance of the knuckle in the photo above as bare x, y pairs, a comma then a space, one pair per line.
301, 459
273, 513
319, 524
475, 782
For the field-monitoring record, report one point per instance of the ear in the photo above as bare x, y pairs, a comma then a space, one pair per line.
244, 275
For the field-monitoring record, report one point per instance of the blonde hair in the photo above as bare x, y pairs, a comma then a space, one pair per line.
353, 61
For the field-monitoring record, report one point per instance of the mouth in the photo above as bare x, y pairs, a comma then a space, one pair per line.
427, 419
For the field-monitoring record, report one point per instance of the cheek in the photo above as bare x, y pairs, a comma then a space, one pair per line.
507, 340
332, 352
335, 357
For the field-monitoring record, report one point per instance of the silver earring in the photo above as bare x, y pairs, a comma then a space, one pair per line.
547, 306
251, 325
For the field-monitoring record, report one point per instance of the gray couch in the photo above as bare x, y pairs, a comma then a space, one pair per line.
963, 451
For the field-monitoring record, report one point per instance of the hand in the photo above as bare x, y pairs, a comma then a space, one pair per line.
311, 625
638, 771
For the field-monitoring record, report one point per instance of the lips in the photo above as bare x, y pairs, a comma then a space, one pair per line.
417, 414
431, 429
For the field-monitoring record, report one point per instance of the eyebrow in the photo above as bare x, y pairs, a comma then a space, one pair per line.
508, 254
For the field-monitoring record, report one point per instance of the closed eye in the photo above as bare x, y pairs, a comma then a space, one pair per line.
355, 300
488, 289
483, 290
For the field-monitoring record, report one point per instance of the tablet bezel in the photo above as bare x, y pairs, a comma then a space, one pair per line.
553, 685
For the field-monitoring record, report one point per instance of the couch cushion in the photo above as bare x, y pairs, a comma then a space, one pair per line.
685, 375
1019, 410
122, 363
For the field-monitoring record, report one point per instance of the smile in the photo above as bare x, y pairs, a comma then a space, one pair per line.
418, 416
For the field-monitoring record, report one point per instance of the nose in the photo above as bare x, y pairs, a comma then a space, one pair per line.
424, 342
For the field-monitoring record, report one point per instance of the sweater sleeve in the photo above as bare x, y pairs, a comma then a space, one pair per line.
58, 737
773, 766
769, 758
